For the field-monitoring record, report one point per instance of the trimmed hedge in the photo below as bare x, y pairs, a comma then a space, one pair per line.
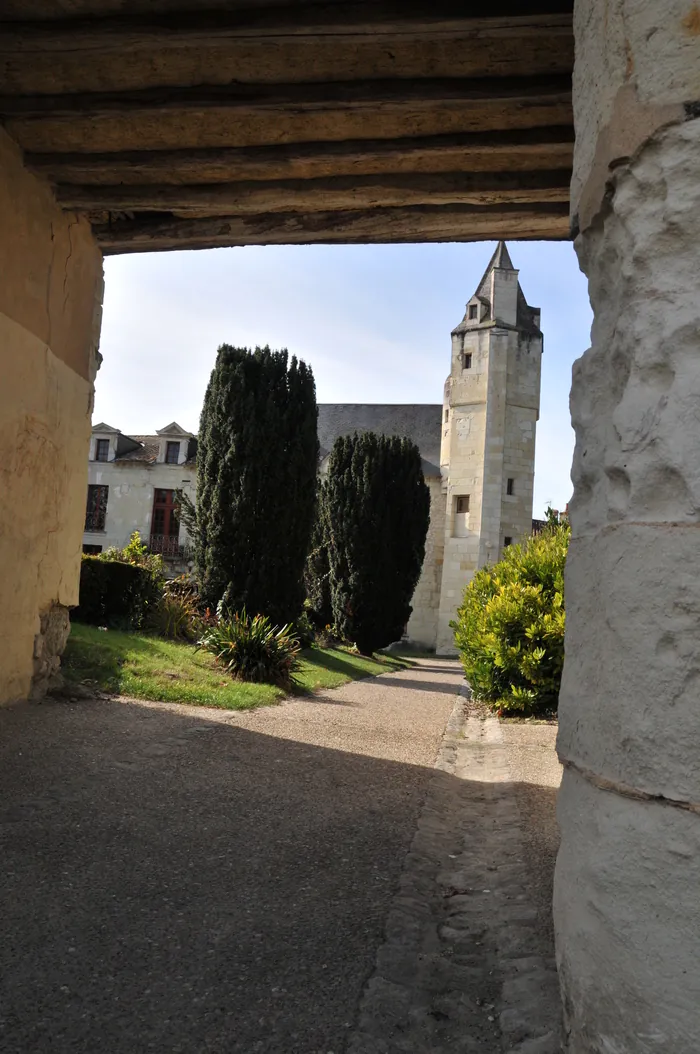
116, 594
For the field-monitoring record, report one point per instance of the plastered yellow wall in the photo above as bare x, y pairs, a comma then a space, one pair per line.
50, 297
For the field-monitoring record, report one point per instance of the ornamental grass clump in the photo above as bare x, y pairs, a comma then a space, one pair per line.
510, 627
250, 648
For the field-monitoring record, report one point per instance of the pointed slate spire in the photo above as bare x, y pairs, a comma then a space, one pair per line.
501, 260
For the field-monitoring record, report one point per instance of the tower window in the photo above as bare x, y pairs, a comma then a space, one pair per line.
473, 310
508, 540
447, 416
467, 360
510, 486
460, 519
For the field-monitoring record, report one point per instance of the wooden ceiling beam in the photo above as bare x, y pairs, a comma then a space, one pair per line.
338, 192
191, 28
519, 150
155, 233
429, 92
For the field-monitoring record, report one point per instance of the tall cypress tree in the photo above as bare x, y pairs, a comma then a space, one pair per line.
257, 460
377, 509
317, 573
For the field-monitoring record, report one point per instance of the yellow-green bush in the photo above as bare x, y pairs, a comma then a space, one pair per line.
510, 627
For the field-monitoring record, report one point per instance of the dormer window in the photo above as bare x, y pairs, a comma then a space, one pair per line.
473, 311
102, 450
172, 453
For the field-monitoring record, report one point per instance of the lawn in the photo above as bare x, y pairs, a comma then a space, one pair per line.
151, 668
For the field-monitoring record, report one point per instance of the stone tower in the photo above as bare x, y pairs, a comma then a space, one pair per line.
490, 409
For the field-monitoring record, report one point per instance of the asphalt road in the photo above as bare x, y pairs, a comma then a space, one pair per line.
175, 879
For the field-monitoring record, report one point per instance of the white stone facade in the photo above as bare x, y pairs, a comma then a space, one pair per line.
136, 474
490, 411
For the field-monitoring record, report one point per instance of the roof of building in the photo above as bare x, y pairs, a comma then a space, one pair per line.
173, 429
421, 422
148, 450
501, 260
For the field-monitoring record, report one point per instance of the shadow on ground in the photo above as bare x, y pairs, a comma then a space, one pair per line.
172, 883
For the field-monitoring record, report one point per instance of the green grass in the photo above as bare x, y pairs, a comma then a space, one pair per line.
151, 668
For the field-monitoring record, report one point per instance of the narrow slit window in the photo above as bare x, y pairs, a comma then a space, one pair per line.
447, 416
510, 486
460, 518
467, 360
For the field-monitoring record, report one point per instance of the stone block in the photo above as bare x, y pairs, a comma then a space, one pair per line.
629, 697
627, 918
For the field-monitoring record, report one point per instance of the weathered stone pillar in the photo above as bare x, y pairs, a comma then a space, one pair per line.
627, 901
50, 299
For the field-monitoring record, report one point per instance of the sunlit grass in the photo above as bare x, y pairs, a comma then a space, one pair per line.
151, 668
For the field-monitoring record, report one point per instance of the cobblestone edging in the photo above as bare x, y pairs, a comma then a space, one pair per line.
465, 966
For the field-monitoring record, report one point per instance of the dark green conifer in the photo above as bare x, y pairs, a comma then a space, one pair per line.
317, 574
377, 508
257, 461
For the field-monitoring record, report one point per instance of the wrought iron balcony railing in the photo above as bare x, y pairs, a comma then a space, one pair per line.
169, 547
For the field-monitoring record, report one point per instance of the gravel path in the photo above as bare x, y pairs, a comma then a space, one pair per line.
176, 879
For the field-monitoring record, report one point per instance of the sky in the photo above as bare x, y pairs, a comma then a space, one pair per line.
373, 321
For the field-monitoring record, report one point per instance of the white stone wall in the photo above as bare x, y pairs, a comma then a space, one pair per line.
627, 919
130, 500
522, 411
626, 893
488, 436
422, 626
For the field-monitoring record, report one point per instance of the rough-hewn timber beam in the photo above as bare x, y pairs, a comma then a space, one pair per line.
518, 150
322, 195
295, 97
191, 28
426, 223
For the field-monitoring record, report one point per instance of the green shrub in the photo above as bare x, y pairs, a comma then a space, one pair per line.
117, 594
304, 630
252, 649
135, 552
510, 627
176, 616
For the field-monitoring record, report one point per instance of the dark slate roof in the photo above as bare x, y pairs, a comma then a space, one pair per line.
148, 450
421, 422
525, 314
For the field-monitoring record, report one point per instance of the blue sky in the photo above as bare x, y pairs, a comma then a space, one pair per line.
373, 321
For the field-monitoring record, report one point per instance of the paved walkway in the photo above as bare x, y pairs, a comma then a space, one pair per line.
187, 880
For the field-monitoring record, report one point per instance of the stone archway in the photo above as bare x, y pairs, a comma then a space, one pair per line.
391, 122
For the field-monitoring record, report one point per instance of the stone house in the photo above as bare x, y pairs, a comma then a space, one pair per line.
477, 449
133, 483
